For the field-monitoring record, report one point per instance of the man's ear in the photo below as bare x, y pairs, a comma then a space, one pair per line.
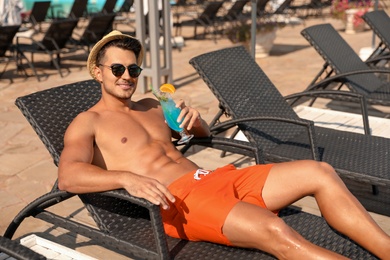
98, 74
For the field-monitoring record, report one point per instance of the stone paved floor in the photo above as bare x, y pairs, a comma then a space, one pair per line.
27, 171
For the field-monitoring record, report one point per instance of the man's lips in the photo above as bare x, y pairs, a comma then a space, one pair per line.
125, 85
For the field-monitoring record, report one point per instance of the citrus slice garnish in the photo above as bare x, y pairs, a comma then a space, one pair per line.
169, 88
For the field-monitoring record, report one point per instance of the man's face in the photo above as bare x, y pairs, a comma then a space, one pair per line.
122, 86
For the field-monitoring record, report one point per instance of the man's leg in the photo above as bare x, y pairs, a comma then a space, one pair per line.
251, 226
288, 182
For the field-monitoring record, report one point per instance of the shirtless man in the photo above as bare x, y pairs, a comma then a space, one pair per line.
121, 143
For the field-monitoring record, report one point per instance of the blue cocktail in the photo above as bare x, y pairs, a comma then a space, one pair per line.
171, 113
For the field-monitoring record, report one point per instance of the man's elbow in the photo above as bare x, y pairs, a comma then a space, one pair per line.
64, 181
63, 184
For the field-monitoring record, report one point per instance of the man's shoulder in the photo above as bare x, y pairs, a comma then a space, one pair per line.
85, 118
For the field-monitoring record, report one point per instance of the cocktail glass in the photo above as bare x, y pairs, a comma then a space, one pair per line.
171, 113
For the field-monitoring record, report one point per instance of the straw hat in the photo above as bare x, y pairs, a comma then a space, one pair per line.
91, 63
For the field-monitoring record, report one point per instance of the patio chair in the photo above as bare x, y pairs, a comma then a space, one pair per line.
207, 19
38, 14
343, 67
77, 11
7, 52
379, 22
259, 110
98, 26
130, 225
53, 44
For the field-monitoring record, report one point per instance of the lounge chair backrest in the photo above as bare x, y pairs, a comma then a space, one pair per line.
379, 22
55, 108
283, 7
341, 57
126, 6
78, 8
60, 31
230, 69
109, 6
236, 9
7, 34
261, 5
98, 26
210, 11
39, 11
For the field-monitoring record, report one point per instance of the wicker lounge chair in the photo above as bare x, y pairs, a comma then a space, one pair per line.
130, 225
7, 52
208, 19
53, 43
258, 109
379, 22
98, 26
346, 67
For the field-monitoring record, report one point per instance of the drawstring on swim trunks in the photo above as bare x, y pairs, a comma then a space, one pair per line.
199, 172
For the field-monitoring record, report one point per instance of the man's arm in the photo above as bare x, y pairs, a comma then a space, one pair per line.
77, 174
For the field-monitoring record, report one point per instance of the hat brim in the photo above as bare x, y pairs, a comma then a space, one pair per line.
114, 35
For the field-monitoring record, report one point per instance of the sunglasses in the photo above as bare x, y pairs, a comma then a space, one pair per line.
119, 69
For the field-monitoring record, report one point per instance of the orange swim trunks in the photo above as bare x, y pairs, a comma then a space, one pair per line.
205, 198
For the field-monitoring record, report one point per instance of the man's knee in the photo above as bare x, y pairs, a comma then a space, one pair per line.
283, 236
322, 170
325, 175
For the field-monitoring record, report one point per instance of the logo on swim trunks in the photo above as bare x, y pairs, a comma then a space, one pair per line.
200, 172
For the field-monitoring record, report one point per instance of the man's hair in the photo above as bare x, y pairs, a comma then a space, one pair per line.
130, 44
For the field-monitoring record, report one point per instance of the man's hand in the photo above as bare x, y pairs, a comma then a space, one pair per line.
149, 189
189, 115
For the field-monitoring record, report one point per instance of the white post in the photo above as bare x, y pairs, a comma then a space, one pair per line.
157, 64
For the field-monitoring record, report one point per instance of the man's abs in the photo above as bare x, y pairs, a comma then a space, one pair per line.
165, 165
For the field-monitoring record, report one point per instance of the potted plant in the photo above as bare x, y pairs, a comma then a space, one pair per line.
351, 12
266, 29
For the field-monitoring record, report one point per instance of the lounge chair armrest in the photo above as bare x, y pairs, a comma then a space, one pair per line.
228, 144
309, 125
32, 42
155, 218
327, 93
25, 38
123, 194
341, 77
39, 206
375, 59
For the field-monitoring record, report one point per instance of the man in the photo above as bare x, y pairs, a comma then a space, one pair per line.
122, 143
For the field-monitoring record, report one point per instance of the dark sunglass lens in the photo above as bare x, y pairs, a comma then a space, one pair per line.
134, 71
118, 70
